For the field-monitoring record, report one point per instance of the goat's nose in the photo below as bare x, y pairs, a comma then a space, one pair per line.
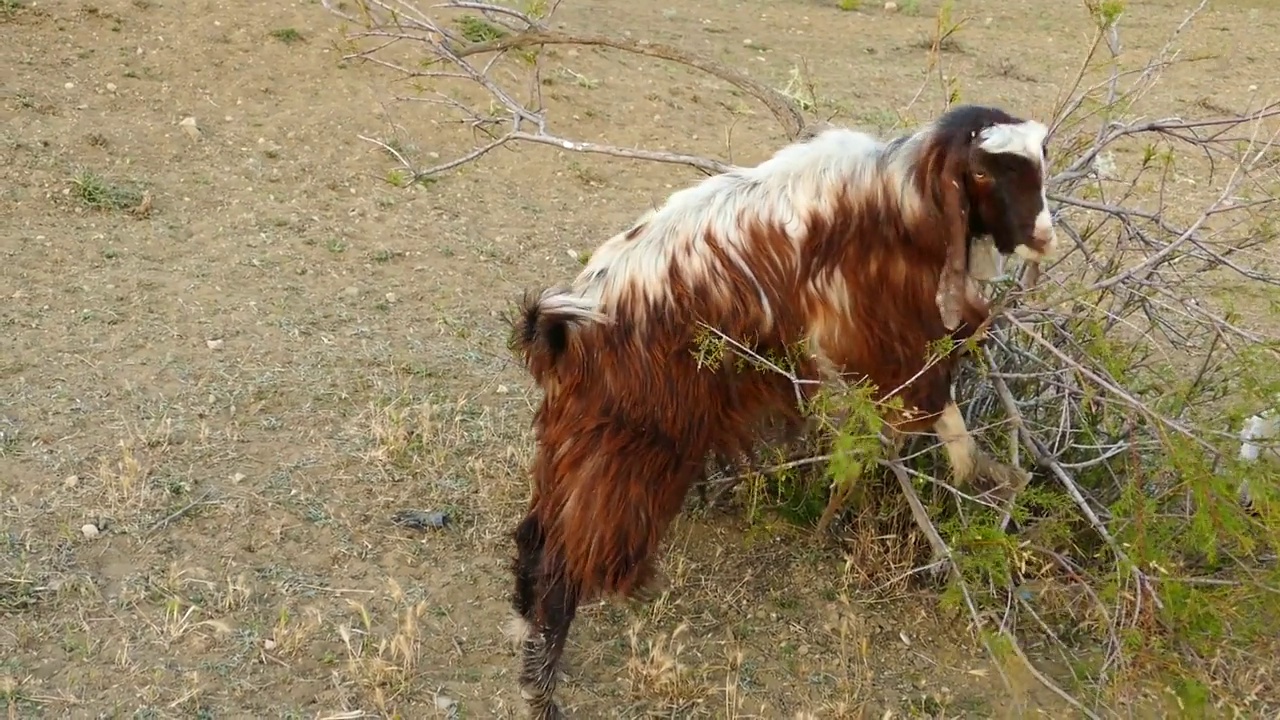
1043, 241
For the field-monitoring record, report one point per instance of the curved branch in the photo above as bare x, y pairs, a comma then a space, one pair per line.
780, 105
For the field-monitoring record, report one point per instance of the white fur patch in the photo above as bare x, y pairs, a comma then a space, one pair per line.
1024, 138
516, 629
558, 302
1257, 430
985, 261
798, 181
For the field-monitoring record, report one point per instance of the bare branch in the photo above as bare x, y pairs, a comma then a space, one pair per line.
391, 23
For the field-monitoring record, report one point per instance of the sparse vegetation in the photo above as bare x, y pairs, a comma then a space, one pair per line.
98, 193
288, 35
214, 415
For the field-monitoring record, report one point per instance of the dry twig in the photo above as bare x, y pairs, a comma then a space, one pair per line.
393, 23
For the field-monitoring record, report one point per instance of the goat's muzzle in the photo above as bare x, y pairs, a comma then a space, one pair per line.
1043, 242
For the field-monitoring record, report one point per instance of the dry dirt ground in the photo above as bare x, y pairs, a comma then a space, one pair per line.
240, 384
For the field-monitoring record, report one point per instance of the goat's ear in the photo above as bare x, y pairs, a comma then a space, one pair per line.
953, 282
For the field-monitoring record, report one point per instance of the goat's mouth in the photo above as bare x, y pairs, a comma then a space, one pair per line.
1030, 254
1043, 241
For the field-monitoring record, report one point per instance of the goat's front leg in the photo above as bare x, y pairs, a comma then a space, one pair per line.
969, 464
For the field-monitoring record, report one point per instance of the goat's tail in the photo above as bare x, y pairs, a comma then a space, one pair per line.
545, 327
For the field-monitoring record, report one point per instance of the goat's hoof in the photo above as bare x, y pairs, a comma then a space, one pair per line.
999, 480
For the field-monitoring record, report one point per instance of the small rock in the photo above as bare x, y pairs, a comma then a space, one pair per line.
445, 703
891, 6
71, 481
214, 344
268, 644
391, 297
351, 292
189, 127
503, 390
238, 478
69, 86
111, 87
89, 530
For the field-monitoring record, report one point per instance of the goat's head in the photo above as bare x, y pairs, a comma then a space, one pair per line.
992, 183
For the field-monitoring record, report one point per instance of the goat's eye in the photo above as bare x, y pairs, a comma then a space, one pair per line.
979, 175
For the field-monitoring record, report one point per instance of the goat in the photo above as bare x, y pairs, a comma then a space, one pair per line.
851, 248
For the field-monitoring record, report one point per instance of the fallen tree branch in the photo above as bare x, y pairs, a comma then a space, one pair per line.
394, 22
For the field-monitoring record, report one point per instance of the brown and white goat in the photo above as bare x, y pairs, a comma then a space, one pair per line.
853, 248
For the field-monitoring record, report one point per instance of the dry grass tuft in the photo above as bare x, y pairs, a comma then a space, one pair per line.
657, 673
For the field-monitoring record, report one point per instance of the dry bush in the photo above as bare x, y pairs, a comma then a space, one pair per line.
1120, 372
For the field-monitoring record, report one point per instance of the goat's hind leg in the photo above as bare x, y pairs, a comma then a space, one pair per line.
524, 568
545, 609
969, 464
543, 647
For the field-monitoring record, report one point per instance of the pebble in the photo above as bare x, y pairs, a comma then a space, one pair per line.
351, 292
111, 87
891, 6
189, 127
214, 344
89, 530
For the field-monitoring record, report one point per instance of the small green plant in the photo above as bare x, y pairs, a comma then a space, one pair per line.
849, 5
479, 30
288, 36
97, 193
1105, 12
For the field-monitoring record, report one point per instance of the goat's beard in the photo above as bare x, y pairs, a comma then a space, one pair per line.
985, 261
